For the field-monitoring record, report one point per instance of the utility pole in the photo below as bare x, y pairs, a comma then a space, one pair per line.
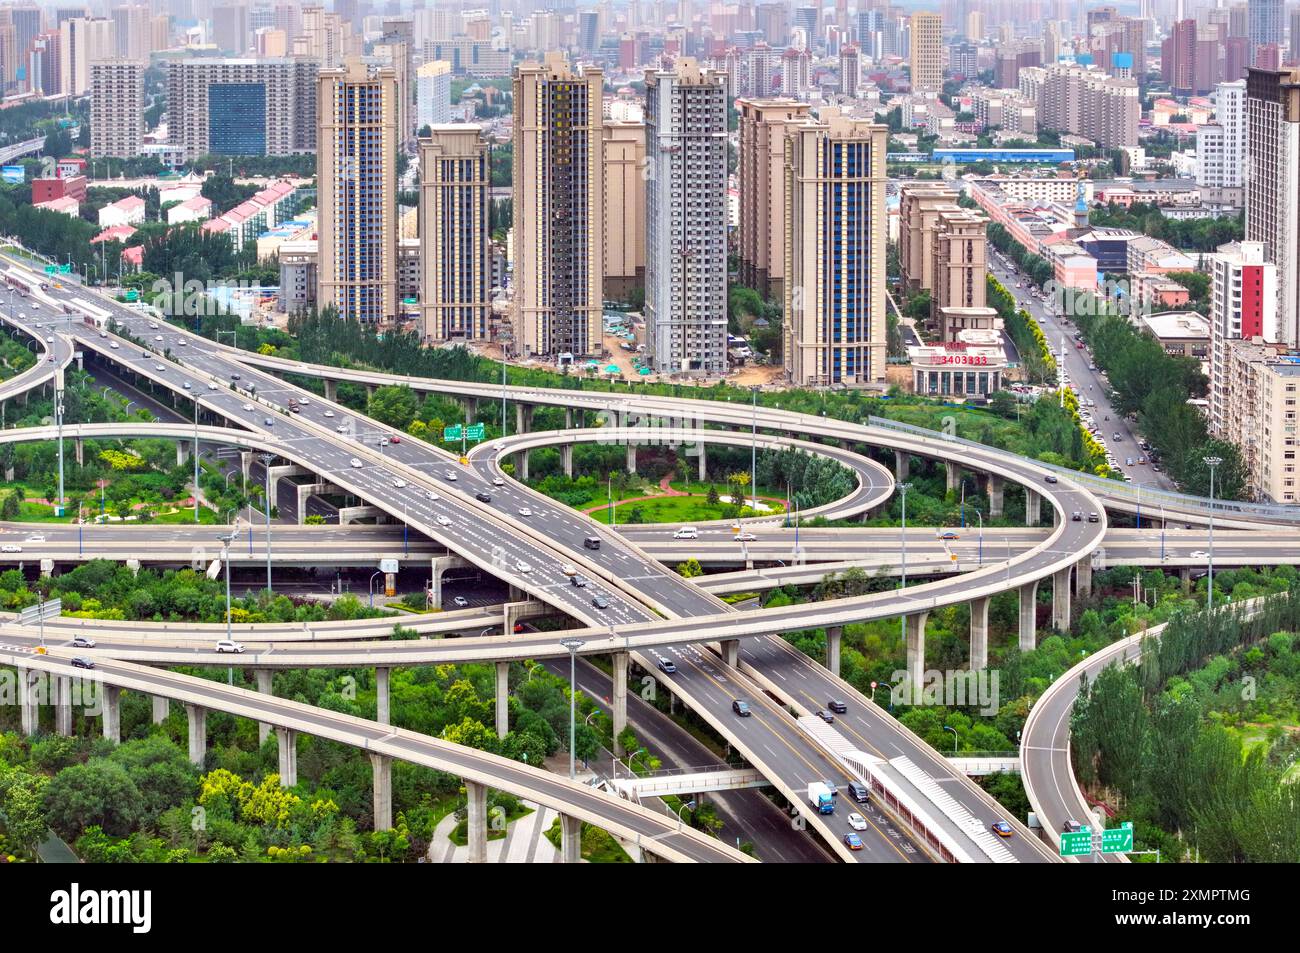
266, 459
58, 419
196, 461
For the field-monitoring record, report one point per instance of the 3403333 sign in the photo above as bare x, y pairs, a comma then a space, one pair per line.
969, 359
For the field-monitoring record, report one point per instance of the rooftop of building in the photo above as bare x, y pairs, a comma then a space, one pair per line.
1169, 325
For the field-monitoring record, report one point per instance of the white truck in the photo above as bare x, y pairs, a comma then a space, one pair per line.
821, 797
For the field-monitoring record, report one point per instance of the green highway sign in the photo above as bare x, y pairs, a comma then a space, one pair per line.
474, 432
66, 269
1117, 840
451, 433
51, 269
1076, 843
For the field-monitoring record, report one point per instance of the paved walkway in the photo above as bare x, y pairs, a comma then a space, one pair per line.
524, 843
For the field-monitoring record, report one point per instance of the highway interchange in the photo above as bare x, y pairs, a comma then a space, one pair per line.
652, 612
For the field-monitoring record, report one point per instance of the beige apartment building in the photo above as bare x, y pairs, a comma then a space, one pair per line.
1262, 385
927, 52
559, 209
761, 174
919, 204
116, 108
836, 232
959, 300
357, 223
624, 183
456, 279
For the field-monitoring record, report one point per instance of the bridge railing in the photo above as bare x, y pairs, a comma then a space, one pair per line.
1140, 494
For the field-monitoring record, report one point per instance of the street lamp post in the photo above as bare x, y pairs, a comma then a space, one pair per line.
196, 461
573, 645
371, 586
903, 488
981, 547
1163, 524
1212, 463
58, 419
266, 459
225, 560
753, 447
954, 737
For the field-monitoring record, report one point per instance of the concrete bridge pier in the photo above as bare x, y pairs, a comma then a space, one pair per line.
1083, 576
382, 771
523, 418
902, 465
570, 839
979, 633
631, 458
503, 699
162, 707
262, 678
383, 695
566, 459
1028, 616
471, 409
79, 450
476, 814
730, 652
305, 492
180, 451
1061, 599
286, 740
834, 637
331, 390
440, 565
1185, 577
915, 629
1032, 507
995, 495
370, 391
197, 719
245, 463
28, 701
619, 706
568, 418
63, 705
953, 473
111, 700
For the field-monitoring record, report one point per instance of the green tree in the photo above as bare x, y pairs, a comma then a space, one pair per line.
393, 405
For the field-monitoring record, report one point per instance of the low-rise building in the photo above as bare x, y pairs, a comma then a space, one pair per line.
1180, 333
973, 366
125, 211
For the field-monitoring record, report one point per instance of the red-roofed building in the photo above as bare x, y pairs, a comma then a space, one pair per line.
133, 257
67, 205
127, 211
118, 233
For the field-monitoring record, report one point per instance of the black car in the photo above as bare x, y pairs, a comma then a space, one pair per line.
234, 376
1049, 478
483, 497
1071, 827
667, 666
858, 791
600, 602
579, 580
80, 661
741, 708
1076, 516
1093, 517
825, 716
837, 706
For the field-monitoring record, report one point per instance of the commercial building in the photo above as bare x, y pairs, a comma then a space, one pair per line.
624, 182
433, 94
559, 209
686, 220
356, 164
455, 185
1180, 333
836, 231
927, 52
116, 108
246, 106
973, 366
761, 177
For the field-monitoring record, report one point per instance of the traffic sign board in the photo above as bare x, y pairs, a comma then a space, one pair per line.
1076, 843
474, 432
1117, 840
451, 433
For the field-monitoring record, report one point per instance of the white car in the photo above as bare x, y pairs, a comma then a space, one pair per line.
523, 567
442, 521
156, 337
103, 334
430, 495
745, 537
497, 481
1198, 554
248, 407
568, 569
10, 548
399, 484
857, 821
328, 413
450, 475
226, 645
525, 511
153, 325
341, 428
212, 385
159, 368
180, 342
304, 401
113, 345
355, 462
36, 538
460, 602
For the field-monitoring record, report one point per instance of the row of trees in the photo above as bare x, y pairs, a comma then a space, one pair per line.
1194, 234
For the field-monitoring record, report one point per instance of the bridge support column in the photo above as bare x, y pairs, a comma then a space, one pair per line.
702, 473
331, 390
979, 633
521, 465
1185, 577
566, 458
439, 566
523, 418
111, 700
28, 701
383, 695
1028, 616
568, 418
286, 740
1032, 505
916, 652
79, 448
381, 768
1083, 576
245, 463
503, 699
262, 678
471, 409
834, 636
370, 392
476, 814
1061, 599
902, 465
730, 652
619, 697
162, 707
995, 495
197, 718
631, 458
953, 474
63, 705
180, 455
570, 839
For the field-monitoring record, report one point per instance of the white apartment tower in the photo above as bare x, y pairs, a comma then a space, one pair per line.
116, 108
1272, 186
686, 220
1221, 147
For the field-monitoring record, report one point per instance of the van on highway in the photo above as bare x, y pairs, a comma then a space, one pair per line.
591, 542
687, 532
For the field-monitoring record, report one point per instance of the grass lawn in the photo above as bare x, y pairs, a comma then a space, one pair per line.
597, 846
669, 509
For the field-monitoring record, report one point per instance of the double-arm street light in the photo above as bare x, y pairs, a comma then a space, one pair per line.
1212, 463
573, 645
